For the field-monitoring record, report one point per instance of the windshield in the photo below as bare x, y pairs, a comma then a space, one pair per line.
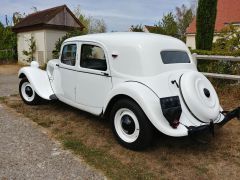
171, 57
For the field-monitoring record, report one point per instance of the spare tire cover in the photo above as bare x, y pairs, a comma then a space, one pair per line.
199, 96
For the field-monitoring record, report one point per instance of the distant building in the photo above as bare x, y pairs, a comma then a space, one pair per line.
145, 28
46, 27
228, 12
149, 29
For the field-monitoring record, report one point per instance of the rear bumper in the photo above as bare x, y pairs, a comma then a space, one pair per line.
192, 130
211, 126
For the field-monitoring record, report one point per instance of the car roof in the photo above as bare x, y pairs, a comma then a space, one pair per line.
138, 52
127, 37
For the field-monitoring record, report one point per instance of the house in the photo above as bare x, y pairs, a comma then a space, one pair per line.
145, 28
46, 27
149, 29
228, 12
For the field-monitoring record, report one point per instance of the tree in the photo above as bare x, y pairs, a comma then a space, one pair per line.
184, 17
17, 16
32, 49
167, 26
8, 39
92, 25
136, 28
58, 44
206, 17
96, 26
229, 39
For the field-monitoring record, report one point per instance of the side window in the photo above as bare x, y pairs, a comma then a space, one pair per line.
93, 57
69, 54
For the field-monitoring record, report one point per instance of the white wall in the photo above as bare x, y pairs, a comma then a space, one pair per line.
52, 37
191, 42
23, 44
45, 44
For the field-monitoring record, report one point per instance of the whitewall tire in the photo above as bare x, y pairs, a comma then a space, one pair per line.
130, 125
27, 93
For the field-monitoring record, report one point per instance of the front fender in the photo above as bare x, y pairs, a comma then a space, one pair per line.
150, 104
39, 80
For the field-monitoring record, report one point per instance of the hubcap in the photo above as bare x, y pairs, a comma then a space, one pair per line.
29, 91
126, 125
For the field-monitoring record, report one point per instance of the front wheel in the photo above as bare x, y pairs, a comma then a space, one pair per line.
27, 93
130, 125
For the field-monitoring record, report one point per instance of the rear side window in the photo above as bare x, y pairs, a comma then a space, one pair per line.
93, 57
69, 54
172, 57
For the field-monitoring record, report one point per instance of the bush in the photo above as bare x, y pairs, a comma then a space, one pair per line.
220, 67
219, 53
7, 56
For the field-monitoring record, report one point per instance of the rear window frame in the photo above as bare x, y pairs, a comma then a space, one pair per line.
174, 62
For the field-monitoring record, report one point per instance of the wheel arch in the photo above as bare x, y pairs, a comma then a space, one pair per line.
22, 75
113, 101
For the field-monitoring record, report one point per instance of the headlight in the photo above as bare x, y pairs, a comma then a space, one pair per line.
171, 109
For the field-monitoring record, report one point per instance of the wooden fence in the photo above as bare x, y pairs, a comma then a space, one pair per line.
218, 58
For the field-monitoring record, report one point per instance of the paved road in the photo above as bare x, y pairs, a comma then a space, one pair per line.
26, 150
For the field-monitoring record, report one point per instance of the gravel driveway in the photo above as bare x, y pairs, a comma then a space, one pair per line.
27, 151
8, 80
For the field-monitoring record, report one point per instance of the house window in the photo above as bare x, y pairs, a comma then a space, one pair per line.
69, 54
93, 57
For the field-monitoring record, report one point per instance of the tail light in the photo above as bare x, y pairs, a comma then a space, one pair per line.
171, 109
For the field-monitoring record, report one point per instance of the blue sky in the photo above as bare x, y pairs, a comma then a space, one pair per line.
118, 14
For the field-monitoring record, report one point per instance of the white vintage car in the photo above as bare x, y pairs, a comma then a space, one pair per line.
139, 81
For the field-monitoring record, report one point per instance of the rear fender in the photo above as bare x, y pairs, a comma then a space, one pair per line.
150, 104
39, 80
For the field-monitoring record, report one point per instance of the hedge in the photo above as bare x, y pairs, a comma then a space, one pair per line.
220, 53
7, 56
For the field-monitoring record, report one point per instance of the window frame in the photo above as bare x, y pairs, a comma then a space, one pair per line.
89, 69
76, 56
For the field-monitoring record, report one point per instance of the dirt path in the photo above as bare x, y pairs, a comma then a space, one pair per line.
26, 150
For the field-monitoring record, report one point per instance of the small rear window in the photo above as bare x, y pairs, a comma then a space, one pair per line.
171, 57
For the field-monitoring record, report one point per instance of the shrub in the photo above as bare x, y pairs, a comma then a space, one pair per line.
217, 52
7, 56
220, 67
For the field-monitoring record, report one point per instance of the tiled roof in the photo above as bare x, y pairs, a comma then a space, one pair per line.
228, 11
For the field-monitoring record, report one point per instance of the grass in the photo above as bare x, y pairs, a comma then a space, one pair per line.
204, 157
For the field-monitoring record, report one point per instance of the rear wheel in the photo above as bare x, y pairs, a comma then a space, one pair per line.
27, 93
130, 125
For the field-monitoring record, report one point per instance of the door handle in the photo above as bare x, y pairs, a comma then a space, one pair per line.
57, 65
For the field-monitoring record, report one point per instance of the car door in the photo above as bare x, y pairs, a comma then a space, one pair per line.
64, 73
93, 79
